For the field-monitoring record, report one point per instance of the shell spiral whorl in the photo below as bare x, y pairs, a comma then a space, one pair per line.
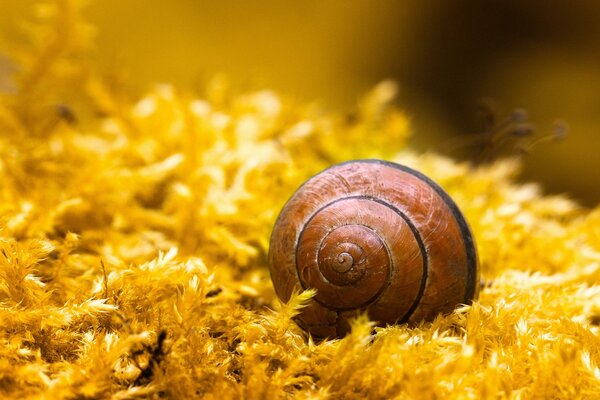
376, 236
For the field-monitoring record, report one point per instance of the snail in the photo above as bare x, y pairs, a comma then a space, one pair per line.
374, 236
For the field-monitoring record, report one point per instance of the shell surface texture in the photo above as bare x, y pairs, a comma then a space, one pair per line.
374, 236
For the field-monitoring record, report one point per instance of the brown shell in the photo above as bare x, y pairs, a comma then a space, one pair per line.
376, 236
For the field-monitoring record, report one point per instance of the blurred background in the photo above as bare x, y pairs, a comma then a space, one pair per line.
542, 56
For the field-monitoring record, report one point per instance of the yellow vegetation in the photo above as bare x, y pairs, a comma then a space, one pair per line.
134, 233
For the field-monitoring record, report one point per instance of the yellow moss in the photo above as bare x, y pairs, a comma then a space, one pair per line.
134, 233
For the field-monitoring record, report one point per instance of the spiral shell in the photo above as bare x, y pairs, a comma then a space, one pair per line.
376, 236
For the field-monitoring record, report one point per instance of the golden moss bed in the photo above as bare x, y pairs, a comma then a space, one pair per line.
134, 232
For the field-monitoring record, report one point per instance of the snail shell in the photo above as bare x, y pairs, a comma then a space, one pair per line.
376, 236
